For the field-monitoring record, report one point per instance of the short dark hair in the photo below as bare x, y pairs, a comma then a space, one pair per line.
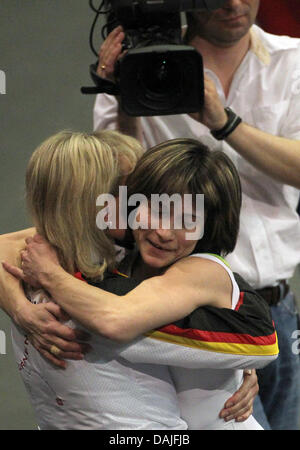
187, 166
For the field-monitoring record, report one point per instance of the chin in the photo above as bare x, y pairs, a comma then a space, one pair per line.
154, 262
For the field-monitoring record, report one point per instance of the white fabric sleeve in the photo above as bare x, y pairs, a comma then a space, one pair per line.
149, 350
105, 112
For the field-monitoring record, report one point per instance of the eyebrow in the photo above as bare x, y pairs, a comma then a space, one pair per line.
193, 215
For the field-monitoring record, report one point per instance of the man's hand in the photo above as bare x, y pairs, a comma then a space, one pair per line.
110, 52
240, 405
213, 115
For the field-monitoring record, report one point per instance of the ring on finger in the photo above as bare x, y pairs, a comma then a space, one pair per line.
55, 350
103, 67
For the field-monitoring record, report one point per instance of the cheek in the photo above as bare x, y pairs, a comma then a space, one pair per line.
254, 5
187, 246
139, 236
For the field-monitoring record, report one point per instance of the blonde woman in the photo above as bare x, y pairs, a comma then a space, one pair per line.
114, 157
115, 374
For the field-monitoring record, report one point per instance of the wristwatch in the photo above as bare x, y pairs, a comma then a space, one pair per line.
231, 124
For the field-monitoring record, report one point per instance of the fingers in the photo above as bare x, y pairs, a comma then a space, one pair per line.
46, 353
109, 53
39, 239
13, 270
243, 397
51, 358
115, 37
63, 339
26, 272
240, 405
213, 114
46, 331
19, 274
245, 414
42, 321
57, 311
59, 351
55, 350
24, 256
57, 361
37, 254
240, 411
68, 347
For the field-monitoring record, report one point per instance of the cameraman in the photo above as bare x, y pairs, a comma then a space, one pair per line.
258, 76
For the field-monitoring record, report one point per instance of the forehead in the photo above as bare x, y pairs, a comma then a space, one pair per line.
186, 204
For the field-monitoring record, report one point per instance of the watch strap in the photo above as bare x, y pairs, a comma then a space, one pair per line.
233, 121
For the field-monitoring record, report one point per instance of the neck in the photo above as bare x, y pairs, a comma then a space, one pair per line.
223, 61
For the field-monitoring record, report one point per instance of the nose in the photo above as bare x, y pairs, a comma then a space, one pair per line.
230, 4
165, 235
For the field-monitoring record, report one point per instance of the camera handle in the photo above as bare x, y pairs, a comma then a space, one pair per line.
102, 84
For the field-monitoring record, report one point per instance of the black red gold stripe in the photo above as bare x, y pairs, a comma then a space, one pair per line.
218, 342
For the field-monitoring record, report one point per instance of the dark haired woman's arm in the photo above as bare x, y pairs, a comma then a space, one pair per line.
155, 302
185, 286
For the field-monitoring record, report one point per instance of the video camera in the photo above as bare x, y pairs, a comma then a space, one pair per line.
158, 74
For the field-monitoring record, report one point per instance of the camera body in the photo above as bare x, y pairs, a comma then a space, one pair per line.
158, 74
161, 79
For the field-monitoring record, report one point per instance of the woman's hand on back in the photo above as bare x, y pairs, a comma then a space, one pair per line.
240, 405
43, 326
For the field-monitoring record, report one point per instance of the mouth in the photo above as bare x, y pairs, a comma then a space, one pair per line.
233, 19
159, 247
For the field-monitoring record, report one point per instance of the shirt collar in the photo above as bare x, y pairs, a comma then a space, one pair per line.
258, 47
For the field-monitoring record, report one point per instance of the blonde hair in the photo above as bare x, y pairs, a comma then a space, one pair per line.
129, 149
64, 177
